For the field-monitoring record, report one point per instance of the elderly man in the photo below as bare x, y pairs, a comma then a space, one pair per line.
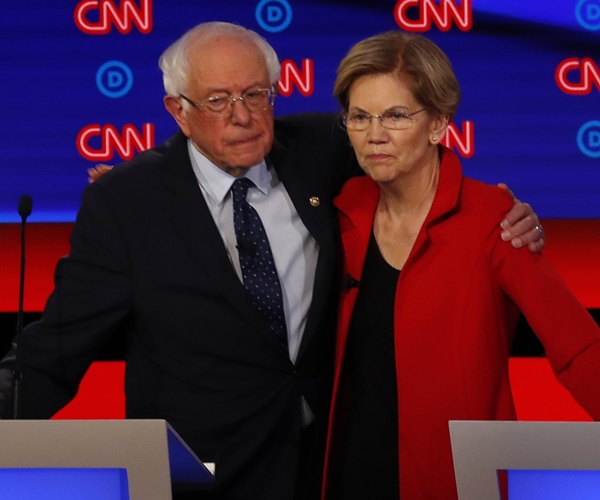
225, 292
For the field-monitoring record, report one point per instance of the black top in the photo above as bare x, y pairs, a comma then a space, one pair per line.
364, 461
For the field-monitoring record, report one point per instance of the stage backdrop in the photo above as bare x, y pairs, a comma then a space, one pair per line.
81, 85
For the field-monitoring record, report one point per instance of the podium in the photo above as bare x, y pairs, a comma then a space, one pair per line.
134, 459
494, 460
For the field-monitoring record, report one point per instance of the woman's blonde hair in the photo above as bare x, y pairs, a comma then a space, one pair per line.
417, 61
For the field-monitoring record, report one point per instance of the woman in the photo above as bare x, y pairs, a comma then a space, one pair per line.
433, 295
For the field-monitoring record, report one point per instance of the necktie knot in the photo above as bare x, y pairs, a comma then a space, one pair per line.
240, 189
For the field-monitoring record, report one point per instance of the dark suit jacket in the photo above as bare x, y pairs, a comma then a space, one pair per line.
147, 263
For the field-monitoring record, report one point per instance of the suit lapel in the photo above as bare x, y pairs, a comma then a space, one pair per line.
185, 207
291, 171
318, 219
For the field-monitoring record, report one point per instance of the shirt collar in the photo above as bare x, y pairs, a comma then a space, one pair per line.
217, 183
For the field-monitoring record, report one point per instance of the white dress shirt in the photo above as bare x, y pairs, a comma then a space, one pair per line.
294, 250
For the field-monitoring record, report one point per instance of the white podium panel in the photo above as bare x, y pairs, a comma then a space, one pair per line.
482, 448
150, 451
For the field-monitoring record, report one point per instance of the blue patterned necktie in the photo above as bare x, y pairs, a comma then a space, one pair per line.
256, 260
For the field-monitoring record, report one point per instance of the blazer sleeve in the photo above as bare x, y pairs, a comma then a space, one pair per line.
570, 336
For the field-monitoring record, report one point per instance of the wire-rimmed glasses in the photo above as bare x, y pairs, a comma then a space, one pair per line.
221, 105
392, 119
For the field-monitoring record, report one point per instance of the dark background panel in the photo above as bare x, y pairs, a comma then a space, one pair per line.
525, 127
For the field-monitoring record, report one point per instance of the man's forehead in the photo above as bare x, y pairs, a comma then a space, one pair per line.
221, 49
223, 69
230, 82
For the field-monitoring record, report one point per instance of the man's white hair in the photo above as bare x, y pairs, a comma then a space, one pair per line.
174, 61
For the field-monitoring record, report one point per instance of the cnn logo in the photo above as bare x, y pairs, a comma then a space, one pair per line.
292, 76
100, 143
419, 15
98, 17
577, 76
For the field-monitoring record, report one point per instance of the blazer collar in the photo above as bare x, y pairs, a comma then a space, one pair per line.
359, 197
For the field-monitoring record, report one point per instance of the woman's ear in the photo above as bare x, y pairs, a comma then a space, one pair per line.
438, 128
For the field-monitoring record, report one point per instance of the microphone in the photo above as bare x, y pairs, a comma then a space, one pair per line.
350, 282
24, 209
246, 246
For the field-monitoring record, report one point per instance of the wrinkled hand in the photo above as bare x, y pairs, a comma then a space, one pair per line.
522, 226
98, 171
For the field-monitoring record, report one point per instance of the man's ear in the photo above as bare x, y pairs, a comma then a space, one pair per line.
175, 109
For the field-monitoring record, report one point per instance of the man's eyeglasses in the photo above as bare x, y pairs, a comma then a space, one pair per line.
392, 119
255, 100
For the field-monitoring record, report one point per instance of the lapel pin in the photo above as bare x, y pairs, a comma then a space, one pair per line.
314, 201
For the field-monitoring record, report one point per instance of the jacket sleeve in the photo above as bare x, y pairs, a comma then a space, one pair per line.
7, 366
89, 304
570, 336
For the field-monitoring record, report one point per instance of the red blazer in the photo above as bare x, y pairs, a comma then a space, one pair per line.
457, 303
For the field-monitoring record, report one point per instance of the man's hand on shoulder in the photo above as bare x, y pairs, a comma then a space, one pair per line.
522, 227
97, 171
